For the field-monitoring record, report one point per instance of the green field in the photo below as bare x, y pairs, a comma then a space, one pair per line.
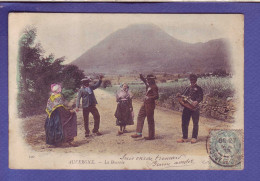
218, 87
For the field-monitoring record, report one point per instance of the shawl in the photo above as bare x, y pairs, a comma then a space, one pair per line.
121, 94
53, 103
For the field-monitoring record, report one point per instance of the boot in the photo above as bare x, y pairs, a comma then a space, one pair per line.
136, 135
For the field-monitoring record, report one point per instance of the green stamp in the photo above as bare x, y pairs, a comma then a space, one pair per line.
225, 147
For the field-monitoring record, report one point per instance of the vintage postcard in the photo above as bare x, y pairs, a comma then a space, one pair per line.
126, 91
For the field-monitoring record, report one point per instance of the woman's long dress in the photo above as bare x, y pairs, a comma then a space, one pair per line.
124, 113
60, 126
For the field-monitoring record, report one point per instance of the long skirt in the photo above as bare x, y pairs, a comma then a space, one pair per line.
123, 114
61, 127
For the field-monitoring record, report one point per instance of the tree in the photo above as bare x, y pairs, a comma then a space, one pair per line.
71, 76
71, 79
36, 74
27, 53
29, 56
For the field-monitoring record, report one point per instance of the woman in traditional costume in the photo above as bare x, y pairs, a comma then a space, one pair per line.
124, 111
61, 123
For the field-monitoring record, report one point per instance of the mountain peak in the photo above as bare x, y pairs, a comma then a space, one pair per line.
146, 47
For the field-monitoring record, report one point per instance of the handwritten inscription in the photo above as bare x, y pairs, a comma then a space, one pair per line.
159, 157
160, 161
176, 163
140, 158
154, 161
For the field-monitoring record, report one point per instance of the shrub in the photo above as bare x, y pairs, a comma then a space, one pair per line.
68, 94
106, 83
162, 80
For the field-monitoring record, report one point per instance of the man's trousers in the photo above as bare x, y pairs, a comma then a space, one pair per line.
93, 110
146, 110
186, 115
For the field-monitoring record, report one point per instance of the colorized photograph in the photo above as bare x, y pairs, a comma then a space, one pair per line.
95, 91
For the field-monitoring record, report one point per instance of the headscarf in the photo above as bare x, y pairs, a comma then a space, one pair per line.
122, 84
55, 88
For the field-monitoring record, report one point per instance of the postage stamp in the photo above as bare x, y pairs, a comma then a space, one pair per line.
225, 148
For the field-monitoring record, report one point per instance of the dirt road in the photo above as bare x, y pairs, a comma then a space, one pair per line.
167, 128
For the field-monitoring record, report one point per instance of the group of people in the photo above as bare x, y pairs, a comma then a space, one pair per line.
61, 125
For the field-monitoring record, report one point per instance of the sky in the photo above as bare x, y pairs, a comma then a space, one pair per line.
70, 35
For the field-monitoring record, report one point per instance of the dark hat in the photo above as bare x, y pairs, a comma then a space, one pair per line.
150, 76
86, 79
193, 77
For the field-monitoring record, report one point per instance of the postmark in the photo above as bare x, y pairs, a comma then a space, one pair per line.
225, 147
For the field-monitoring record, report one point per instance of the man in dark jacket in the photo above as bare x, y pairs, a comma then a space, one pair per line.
147, 109
89, 104
195, 93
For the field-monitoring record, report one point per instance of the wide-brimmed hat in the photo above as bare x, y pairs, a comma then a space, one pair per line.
150, 76
86, 79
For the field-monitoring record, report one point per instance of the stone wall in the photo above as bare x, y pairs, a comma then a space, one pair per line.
221, 109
